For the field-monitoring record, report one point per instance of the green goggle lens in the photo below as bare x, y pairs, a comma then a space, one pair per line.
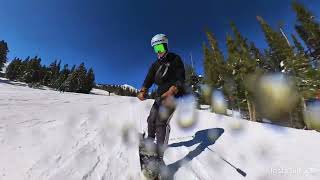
159, 48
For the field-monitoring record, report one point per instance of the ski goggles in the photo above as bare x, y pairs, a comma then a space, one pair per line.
159, 48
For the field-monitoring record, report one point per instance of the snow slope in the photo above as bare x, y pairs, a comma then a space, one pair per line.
45, 134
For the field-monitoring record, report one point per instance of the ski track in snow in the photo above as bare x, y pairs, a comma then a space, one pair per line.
47, 135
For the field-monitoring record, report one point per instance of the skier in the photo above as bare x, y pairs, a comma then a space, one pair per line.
168, 73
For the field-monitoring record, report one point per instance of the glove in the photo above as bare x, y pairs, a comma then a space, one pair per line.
142, 94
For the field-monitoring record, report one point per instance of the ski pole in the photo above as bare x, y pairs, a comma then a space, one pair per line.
237, 169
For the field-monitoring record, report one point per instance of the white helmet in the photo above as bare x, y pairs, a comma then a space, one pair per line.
159, 39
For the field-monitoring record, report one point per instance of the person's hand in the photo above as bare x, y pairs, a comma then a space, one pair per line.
168, 97
142, 94
173, 90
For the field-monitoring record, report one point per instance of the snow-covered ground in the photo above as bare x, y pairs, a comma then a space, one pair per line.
45, 134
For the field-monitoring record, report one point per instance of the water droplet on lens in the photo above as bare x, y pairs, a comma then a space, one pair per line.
276, 96
129, 135
312, 116
218, 102
187, 112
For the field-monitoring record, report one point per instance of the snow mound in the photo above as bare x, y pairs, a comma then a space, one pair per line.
101, 92
130, 87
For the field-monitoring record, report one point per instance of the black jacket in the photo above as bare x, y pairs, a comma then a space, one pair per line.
165, 73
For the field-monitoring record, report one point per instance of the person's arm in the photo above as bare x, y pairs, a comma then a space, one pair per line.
180, 74
149, 80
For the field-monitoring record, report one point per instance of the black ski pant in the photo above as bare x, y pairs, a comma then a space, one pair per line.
157, 125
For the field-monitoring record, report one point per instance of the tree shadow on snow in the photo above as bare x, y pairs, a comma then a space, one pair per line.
22, 84
204, 138
13, 82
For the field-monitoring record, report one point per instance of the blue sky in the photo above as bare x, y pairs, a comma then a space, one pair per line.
113, 37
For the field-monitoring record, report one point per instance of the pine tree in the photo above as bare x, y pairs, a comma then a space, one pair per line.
231, 86
13, 69
3, 53
22, 69
268, 66
280, 52
73, 69
259, 57
89, 81
46, 75
62, 78
32, 73
241, 62
308, 29
81, 78
299, 49
54, 73
189, 73
191, 79
76, 80
213, 63
305, 74
294, 63
71, 83
208, 66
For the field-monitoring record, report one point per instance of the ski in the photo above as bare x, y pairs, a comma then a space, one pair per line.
148, 156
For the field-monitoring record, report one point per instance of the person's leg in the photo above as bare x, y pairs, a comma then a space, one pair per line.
162, 132
152, 118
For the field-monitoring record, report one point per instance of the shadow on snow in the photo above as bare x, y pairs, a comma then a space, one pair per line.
204, 138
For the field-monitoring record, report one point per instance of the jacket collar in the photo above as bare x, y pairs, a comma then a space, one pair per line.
163, 57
